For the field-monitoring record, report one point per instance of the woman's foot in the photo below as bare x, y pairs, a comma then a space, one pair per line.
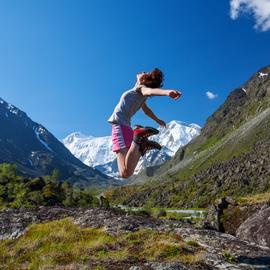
140, 133
137, 126
147, 145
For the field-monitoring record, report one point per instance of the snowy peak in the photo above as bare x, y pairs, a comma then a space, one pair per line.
97, 151
20, 118
92, 151
75, 137
11, 110
253, 87
176, 134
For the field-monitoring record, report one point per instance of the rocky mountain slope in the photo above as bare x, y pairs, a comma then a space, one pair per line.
230, 157
96, 151
36, 152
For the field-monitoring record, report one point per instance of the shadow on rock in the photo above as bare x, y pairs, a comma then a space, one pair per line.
259, 261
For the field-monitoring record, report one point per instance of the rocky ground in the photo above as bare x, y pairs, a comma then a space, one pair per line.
223, 251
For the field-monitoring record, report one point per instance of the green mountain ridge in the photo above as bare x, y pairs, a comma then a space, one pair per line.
230, 157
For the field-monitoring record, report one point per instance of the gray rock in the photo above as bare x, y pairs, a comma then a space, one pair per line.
256, 229
167, 266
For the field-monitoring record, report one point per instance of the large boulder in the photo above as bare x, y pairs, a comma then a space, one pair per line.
237, 214
256, 229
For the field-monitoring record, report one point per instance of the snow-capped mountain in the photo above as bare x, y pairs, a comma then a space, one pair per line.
96, 151
174, 136
90, 150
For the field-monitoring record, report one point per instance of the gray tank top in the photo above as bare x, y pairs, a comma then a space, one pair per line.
130, 102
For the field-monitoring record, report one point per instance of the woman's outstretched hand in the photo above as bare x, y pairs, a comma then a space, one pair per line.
174, 94
161, 123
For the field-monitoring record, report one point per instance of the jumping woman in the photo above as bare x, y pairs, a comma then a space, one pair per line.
130, 144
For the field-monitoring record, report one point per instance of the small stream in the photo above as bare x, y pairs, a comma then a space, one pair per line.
187, 213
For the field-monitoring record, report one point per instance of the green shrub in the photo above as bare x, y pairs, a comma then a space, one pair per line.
161, 213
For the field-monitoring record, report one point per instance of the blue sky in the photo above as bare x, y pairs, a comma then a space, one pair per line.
66, 63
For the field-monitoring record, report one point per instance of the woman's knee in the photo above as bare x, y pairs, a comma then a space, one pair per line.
125, 173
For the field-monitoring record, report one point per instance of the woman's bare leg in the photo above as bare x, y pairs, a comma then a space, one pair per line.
127, 160
121, 161
132, 158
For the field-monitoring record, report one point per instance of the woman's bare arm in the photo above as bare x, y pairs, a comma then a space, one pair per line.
150, 113
147, 91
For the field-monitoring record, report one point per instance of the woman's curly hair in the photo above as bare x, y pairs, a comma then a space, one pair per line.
153, 79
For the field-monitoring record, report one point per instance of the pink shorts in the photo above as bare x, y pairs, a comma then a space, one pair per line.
122, 136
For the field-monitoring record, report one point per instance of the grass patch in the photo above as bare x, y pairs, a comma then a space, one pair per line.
59, 243
229, 257
177, 216
192, 243
254, 199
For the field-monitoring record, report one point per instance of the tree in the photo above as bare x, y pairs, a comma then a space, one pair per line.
68, 193
49, 193
35, 184
8, 171
56, 175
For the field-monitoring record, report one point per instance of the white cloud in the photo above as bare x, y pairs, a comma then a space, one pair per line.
260, 9
211, 95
